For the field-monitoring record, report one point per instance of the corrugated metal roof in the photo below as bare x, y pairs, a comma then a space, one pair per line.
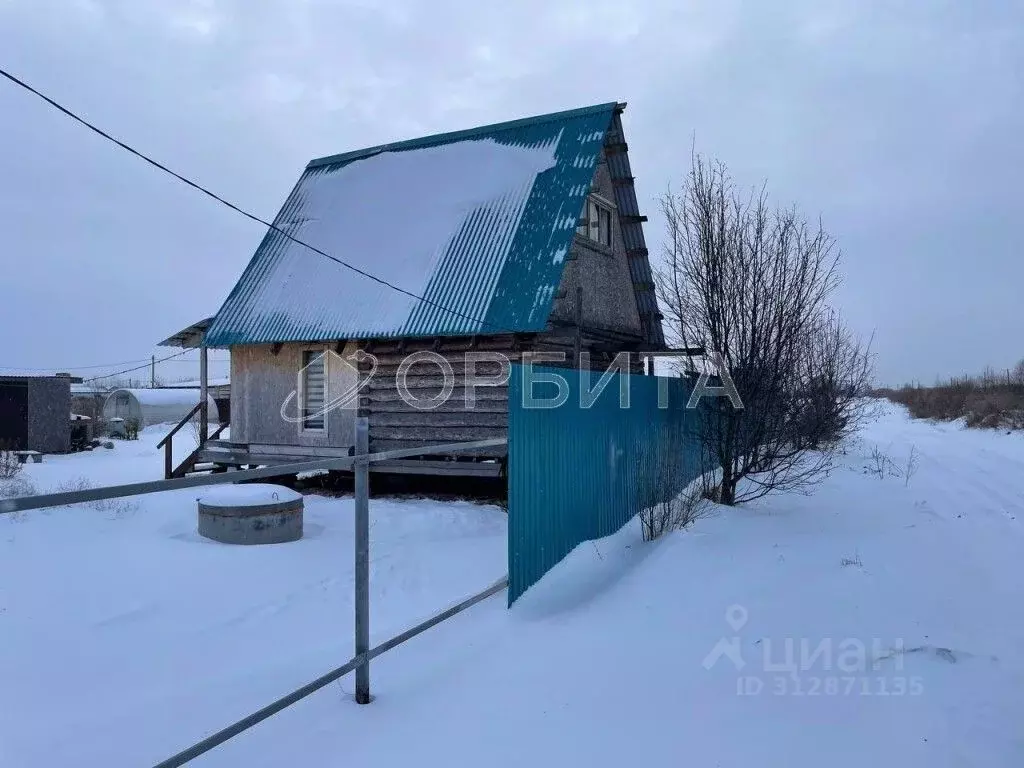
477, 222
13, 374
189, 338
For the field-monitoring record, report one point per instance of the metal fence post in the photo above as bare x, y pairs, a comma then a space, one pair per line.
168, 459
204, 392
362, 536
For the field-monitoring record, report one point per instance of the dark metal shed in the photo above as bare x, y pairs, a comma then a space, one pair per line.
35, 413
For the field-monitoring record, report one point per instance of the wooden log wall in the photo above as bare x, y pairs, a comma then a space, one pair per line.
395, 423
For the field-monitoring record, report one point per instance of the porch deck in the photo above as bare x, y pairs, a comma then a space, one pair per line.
225, 454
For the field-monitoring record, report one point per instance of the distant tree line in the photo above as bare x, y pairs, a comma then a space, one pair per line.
992, 399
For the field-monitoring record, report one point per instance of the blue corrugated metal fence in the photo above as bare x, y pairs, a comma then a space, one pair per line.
577, 473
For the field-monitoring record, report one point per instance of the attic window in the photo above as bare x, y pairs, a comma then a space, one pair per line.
596, 222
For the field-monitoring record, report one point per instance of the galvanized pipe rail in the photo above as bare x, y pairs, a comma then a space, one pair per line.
360, 463
168, 442
157, 486
297, 695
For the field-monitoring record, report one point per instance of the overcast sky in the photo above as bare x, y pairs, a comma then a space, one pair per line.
899, 123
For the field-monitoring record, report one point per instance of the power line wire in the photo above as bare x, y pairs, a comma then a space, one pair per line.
138, 368
68, 367
145, 360
198, 187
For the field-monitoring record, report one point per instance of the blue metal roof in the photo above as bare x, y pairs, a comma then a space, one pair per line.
476, 222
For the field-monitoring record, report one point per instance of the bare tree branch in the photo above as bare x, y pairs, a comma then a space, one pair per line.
751, 283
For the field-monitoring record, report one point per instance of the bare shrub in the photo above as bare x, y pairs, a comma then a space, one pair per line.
854, 561
989, 400
194, 431
673, 480
911, 467
1017, 374
131, 429
882, 465
675, 513
13, 488
987, 409
1014, 419
16, 488
879, 461
116, 507
9, 464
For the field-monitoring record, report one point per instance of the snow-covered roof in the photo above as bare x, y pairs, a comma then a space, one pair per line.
188, 338
17, 373
162, 397
155, 406
218, 382
88, 389
477, 222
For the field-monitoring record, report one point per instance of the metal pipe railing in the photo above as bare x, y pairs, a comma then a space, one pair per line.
298, 694
168, 442
360, 662
158, 486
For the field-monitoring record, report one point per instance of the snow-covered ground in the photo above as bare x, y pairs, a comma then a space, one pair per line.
124, 635
877, 622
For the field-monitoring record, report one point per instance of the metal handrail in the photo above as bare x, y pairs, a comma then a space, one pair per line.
360, 463
185, 420
297, 695
22, 503
192, 459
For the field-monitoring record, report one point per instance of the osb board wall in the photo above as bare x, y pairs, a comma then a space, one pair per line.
262, 381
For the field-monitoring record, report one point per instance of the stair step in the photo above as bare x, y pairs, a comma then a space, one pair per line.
201, 469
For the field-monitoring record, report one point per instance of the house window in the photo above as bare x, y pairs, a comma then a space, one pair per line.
314, 389
596, 223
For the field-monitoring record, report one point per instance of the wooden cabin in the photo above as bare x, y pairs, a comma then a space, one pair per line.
509, 238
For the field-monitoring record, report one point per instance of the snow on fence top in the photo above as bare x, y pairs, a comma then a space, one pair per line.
477, 222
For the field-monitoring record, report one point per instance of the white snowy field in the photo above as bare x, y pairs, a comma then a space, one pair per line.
876, 622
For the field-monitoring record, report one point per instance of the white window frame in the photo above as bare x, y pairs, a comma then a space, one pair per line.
302, 390
589, 228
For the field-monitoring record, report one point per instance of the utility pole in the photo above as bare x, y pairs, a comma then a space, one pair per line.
362, 537
152, 372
